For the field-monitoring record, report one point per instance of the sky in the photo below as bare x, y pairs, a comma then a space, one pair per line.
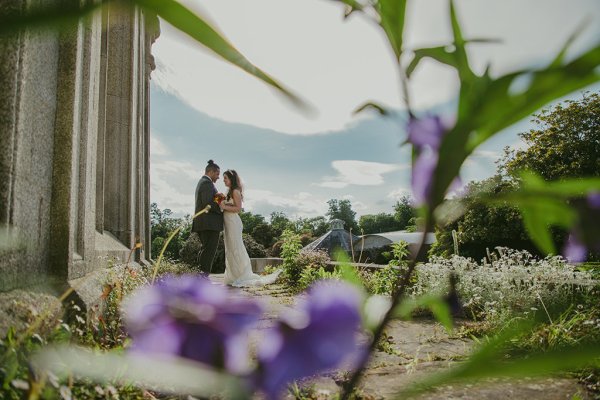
203, 108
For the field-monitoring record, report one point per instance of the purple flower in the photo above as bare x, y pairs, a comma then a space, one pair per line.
427, 132
319, 335
574, 250
190, 317
593, 200
422, 176
426, 135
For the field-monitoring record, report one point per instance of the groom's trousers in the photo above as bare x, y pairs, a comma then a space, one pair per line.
210, 241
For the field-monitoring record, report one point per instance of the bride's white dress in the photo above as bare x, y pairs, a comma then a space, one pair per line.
238, 270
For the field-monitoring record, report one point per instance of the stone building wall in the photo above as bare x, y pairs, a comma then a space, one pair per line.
74, 153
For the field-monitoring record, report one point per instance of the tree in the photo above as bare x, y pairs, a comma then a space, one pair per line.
404, 212
565, 145
280, 222
342, 209
483, 224
377, 223
264, 234
162, 224
315, 226
251, 221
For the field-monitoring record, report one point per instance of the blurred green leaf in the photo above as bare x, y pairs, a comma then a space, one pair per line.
351, 5
544, 204
392, 14
460, 53
156, 373
487, 106
439, 53
487, 362
197, 28
499, 108
437, 305
377, 107
558, 60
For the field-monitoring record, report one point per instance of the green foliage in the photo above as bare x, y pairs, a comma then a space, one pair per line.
162, 225
377, 223
101, 328
280, 222
250, 221
315, 227
385, 280
481, 225
560, 204
290, 249
404, 212
313, 266
342, 209
566, 143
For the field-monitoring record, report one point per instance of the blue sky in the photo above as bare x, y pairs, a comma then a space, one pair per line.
202, 108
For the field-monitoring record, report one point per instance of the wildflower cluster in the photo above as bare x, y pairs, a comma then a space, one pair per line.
514, 284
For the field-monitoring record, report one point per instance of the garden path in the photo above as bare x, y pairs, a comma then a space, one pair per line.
414, 349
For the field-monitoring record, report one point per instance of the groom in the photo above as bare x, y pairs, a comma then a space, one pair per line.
208, 225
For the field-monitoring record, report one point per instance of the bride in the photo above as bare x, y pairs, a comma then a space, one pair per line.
238, 270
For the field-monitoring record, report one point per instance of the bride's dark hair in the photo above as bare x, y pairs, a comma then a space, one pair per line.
235, 180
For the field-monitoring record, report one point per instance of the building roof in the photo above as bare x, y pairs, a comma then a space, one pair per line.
376, 240
336, 238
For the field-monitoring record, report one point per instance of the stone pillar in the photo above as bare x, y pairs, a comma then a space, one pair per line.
74, 161
28, 65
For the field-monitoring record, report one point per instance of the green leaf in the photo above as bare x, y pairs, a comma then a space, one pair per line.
439, 53
351, 6
497, 108
155, 373
350, 275
370, 105
197, 28
437, 305
392, 14
558, 60
461, 58
488, 363
538, 229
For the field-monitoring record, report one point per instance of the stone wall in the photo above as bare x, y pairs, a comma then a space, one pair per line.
74, 159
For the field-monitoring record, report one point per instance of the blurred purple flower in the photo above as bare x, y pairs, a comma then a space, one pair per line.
190, 317
319, 335
426, 132
426, 135
593, 200
574, 250
422, 176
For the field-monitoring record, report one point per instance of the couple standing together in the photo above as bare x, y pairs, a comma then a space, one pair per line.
224, 216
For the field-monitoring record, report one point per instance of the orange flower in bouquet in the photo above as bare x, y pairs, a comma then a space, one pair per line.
219, 197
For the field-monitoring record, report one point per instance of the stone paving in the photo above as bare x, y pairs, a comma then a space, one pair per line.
413, 350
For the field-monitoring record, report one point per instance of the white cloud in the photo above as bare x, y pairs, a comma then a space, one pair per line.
157, 148
362, 173
172, 185
399, 193
302, 204
320, 63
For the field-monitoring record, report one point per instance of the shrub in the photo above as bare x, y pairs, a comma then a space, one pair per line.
190, 251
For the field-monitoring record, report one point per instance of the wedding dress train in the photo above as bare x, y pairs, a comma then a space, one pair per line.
238, 270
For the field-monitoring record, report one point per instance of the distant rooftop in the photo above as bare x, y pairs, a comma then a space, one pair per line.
336, 238
376, 240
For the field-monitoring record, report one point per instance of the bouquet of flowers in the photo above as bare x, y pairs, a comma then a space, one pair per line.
219, 197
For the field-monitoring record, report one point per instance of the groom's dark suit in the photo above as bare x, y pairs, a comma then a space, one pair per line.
207, 225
